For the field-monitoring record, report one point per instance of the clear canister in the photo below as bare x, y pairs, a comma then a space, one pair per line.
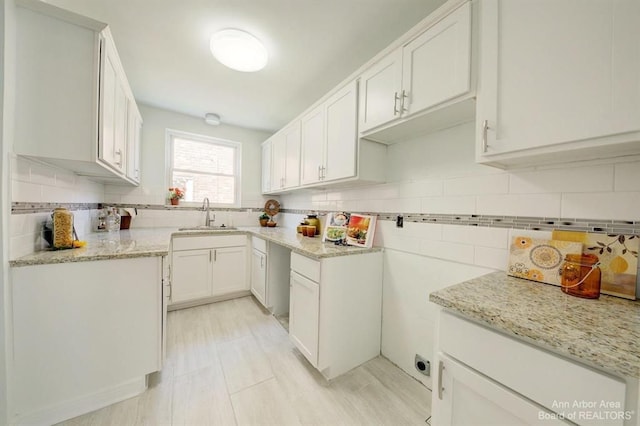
62, 228
581, 275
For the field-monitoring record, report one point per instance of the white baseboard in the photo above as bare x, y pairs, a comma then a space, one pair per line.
85, 404
207, 300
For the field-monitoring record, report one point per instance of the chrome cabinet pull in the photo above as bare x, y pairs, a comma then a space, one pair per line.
396, 98
209, 256
440, 370
119, 154
485, 128
405, 95
324, 174
215, 255
319, 172
261, 262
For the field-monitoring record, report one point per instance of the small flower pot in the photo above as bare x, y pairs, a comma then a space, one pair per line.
175, 201
263, 222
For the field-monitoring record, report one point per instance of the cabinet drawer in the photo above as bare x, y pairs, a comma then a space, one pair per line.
207, 241
305, 266
259, 244
539, 375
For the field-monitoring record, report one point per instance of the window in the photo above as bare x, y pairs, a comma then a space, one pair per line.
204, 167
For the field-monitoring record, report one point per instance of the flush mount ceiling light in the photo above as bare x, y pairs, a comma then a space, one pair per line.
213, 119
238, 50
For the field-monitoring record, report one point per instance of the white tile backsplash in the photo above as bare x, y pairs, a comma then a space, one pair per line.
476, 185
627, 176
448, 205
566, 179
539, 205
603, 205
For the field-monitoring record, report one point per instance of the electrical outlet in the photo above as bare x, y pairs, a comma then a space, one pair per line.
399, 221
422, 365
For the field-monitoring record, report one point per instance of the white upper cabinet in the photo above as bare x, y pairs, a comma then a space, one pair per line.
134, 141
285, 158
77, 93
266, 166
341, 147
436, 66
423, 74
313, 141
329, 138
559, 80
380, 92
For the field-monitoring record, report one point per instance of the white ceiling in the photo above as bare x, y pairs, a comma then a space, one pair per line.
313, 45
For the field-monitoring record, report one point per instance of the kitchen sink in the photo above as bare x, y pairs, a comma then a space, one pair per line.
208, 228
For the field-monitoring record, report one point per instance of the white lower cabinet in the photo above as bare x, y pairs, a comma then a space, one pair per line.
259, 275
191, 275
335, 310
270, 264
486, 377
206, 267
84, 335
303, 316
469, 398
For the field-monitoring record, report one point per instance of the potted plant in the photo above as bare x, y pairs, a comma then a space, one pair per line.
264, 218
175, 194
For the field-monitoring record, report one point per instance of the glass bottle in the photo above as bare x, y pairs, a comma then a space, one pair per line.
62, 228
581, 275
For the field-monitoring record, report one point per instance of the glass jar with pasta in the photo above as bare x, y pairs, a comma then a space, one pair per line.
62, 224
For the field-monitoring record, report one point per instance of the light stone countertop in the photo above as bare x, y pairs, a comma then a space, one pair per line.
603, 333
145, 242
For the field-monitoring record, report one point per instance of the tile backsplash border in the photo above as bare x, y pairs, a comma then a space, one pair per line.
513, 222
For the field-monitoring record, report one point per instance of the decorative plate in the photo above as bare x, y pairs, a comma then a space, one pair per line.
539, 260
272, 207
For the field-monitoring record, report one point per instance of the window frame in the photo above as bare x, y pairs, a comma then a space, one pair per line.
171, 134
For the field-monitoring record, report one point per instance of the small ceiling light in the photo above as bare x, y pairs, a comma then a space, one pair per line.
238, 50
212, 119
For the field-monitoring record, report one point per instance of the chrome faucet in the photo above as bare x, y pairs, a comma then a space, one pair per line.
207, 221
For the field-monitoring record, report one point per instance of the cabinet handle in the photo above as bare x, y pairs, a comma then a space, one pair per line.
396, 98
215, 255
405, 95
209, 256
170, 291
119, 154
440, 370
485, 128
324, 172
319, 172
261, 262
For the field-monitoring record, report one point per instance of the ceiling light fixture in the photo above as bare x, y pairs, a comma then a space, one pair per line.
212, 119
238, 50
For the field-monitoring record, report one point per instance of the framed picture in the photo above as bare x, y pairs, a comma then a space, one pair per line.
361, 230
335, 229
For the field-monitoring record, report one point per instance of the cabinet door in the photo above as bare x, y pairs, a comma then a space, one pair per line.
342, 138
278, 161
266, 167
292, 166
134, 139
380, 89
190, 275
550, 75
303, 316
313, 142
108, 83
120, 127
259, 276
229, 270
436, 66
466, 397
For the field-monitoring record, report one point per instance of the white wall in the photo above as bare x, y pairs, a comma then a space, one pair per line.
153, 188
437, 174
7, 97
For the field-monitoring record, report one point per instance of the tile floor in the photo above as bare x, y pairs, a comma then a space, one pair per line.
232, 363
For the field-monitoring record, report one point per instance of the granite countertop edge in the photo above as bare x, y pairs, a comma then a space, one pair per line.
612, 357
48, 257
